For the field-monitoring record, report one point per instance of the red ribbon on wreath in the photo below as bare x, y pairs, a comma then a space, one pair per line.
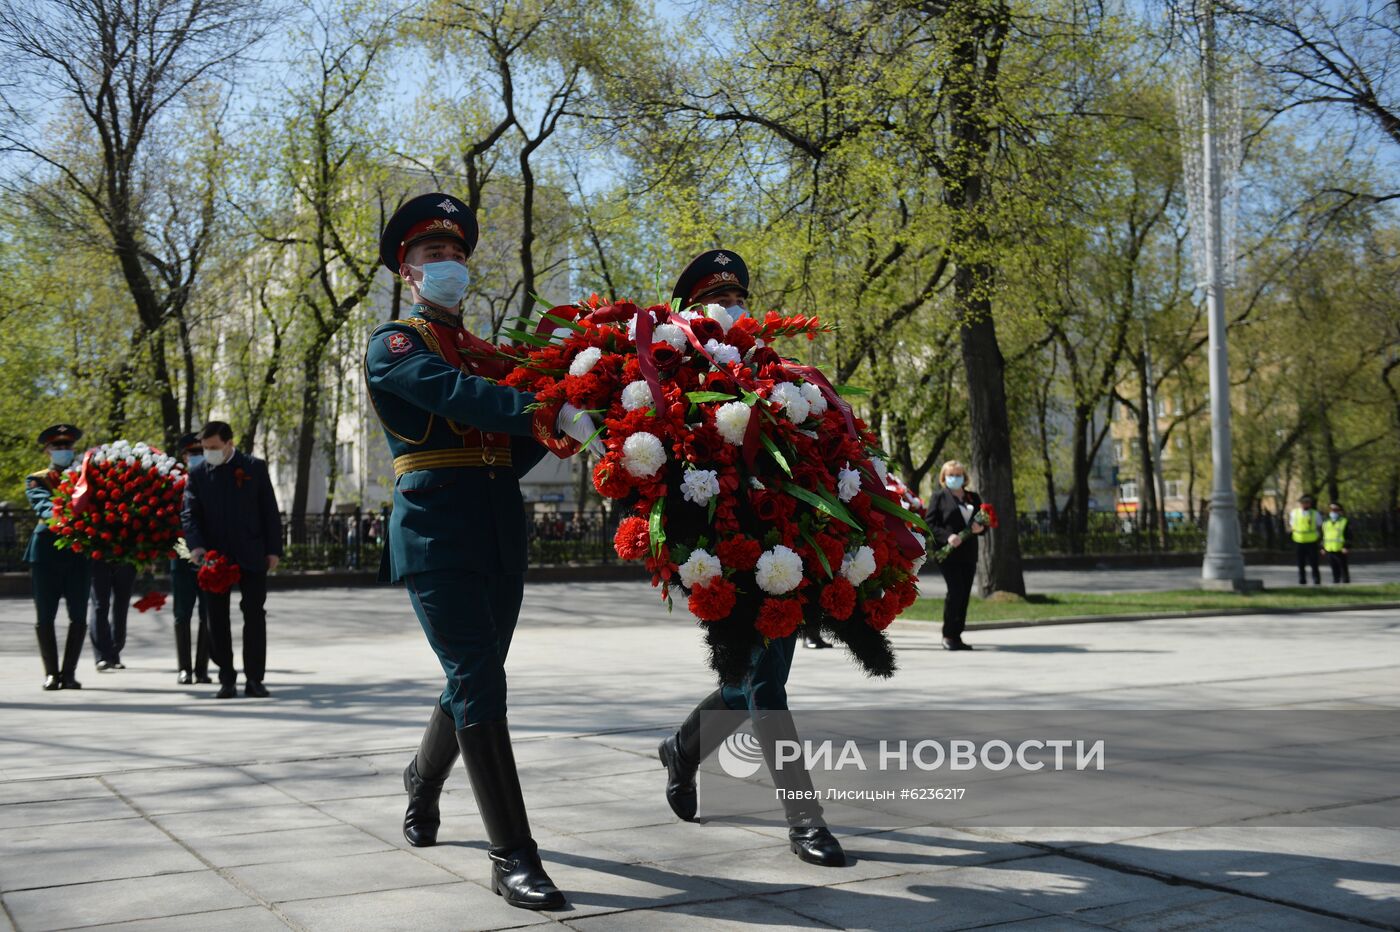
218, 573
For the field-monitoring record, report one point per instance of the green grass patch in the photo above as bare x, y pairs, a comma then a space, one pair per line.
1066, 604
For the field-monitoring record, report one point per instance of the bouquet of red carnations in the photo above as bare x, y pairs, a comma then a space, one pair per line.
986, 516
218, 573
751, 485
122, 505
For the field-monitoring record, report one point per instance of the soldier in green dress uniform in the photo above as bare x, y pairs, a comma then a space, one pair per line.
457, 534
56, 574
721, 277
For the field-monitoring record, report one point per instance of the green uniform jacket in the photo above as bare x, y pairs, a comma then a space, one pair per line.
39, 488
470, 518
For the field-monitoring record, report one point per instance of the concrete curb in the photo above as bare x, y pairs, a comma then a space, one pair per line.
1162, 616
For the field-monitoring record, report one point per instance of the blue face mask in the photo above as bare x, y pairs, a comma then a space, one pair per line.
444, 283
61, 458
956, 482
195, 460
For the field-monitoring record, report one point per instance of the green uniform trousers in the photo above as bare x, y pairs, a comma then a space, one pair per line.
469, 619
765, 683
67, 577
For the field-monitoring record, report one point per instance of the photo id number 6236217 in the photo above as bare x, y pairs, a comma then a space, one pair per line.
935, 792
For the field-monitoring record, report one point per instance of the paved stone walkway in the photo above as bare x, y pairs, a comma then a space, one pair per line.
140, 804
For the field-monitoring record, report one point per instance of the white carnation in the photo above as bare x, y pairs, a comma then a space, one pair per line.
847, 484
643, 454
719, 314
670, 333
699, 568
815, 399
755, 484
637, 395
859, 566
722, 352
585, 361
700, 485
732, 421
689, 315
779, 570
790, 397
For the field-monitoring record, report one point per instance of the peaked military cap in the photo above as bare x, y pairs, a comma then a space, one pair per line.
190, 442
712, 271
59, 433
427, 216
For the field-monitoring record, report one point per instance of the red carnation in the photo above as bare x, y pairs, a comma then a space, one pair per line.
879, 614
778, 618
839, 598
713, 601
739, 553
633, 539
610, 479
218, 573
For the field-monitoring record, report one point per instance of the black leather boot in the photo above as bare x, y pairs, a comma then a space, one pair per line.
48, 650
808, 836
72, 653
182, 653
424, 777
683, 752
516, 871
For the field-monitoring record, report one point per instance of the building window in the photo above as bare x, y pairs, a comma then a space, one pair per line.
1128, 491
1173, 488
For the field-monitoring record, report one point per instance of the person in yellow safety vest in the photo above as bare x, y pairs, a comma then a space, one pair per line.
1334, 542
1305, 524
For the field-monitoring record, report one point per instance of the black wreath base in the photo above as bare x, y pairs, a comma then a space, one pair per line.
731, 643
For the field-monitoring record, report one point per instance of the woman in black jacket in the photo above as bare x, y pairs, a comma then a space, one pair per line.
950, 519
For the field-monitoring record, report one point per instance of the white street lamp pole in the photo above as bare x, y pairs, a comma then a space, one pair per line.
1223, 567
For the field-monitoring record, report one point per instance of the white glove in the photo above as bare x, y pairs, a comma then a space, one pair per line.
579, 425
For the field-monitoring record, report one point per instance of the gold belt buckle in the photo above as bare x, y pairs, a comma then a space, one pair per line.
488, 456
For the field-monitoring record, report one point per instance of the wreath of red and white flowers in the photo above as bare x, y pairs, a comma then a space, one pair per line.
751, 484
122, 505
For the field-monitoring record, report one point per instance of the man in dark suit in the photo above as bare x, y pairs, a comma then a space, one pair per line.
950, 519
230, 507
